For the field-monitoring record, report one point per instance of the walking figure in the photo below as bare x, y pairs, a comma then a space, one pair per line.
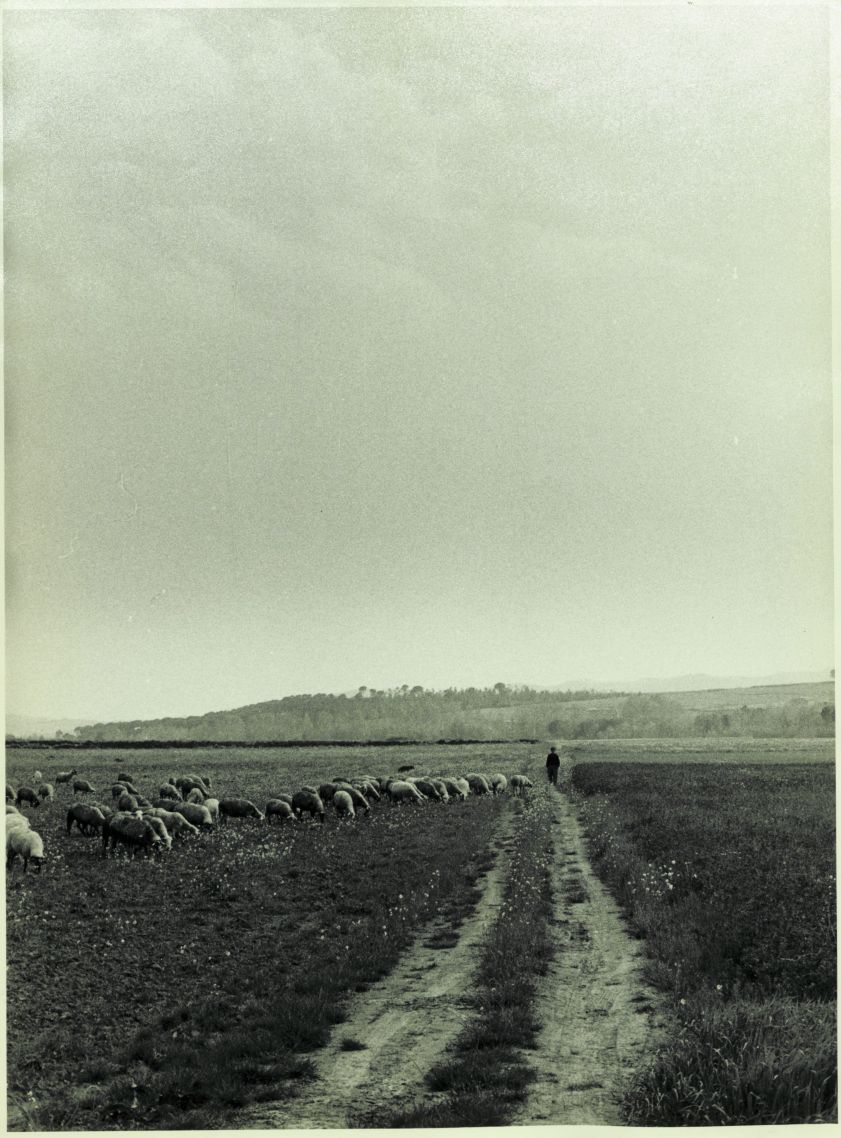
553, 761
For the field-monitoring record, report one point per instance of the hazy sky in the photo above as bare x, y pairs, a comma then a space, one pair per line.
413, 346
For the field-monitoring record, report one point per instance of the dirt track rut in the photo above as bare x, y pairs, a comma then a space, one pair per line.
600, 1020
405, 1021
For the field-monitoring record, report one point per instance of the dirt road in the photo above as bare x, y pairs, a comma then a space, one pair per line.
405, 1023
600, 1019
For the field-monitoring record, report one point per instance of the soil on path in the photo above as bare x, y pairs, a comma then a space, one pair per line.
405, 1021
600, 1019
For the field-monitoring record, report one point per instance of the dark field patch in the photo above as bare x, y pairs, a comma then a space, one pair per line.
247, 940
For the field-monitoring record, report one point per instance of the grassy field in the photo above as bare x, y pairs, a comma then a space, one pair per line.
728, 872
251, 938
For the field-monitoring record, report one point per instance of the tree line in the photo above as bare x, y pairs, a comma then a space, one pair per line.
479, 714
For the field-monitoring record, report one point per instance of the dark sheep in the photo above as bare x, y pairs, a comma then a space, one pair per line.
308, 800
238, 808
89, 820
82, 786
277, 808
131, 832
27, 794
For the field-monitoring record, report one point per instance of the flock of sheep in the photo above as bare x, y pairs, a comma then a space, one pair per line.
187, 805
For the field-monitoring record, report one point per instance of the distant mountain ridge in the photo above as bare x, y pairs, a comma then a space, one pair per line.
697, 681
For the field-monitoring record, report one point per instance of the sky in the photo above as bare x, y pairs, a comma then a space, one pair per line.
442, 346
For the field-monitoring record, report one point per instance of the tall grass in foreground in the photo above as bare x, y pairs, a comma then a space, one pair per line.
486, 1076
728, 874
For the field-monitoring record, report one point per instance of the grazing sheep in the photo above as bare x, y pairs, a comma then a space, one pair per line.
127, 803
25, 844
284, 798
343, 804
308, 800
175, 823
406, 767
427, 788
27, 794
277, 808
188, 782
464, 785
169, 791
10, 793
239, 808
499, 783
130, 787
520, 783
131, 832
442, 788
478, 784
202, 782
193, 812
10, 809
141, 801
327, 790
310, 789
196, 795
82, 786
88, 819
212, 806
37, 777
65, 776
399, 791
16, 820
368, 788
159, 826
46, 792
118, 788
359, 800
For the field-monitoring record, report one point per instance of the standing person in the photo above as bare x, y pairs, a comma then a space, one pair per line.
553, 761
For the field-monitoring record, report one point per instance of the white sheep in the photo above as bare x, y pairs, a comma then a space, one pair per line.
196, 796
81, 786
16, 821
46, 792
478, 784
399, 791
343, 804
175, 823
520, 783
498, 783
198, 815
37, 777
159, 826
25, 844
212, 805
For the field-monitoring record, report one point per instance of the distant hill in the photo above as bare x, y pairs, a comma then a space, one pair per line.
36, 727
804, 710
